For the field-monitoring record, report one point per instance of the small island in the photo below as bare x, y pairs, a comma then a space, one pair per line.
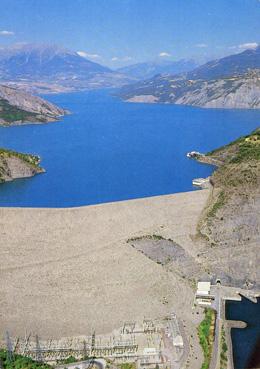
14, 165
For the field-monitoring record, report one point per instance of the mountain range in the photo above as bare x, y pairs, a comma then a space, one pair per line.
230, 82
150, 69
45, 68
231, 65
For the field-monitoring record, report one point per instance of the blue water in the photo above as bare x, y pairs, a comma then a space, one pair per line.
108, 150
245, 342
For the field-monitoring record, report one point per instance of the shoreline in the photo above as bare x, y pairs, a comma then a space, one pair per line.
56, 208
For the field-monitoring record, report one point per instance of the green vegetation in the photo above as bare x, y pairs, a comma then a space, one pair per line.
224, 348
218, 204
128, 366
12, 114
206, 332
20, 362
235, 180
248, 148
28, 158
242, 149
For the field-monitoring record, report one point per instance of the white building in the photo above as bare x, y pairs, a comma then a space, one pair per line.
203, 296
203, 288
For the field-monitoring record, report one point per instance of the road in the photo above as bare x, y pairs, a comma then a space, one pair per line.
215, 350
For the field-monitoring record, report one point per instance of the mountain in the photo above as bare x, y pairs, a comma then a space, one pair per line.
236, 84
150, 69
19, 107
229, 66
49, 67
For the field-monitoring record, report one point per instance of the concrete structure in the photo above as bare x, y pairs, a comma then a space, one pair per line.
203, 288
201, 182
203, 296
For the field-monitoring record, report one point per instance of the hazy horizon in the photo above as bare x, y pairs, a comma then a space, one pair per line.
125, 32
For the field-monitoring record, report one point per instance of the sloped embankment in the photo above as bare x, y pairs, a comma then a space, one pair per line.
231, 220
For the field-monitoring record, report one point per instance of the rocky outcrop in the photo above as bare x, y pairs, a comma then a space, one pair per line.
237, 92
230, 224
241, 91
15, 165
18, 107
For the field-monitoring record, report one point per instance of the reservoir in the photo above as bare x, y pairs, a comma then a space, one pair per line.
245, 342
108, 150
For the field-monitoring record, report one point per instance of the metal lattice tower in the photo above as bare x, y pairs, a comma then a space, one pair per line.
93, 341
38, 349
9, 347
85, 349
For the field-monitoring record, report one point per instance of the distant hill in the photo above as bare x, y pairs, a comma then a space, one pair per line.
150, 69
229, 66
49, 67
234, 83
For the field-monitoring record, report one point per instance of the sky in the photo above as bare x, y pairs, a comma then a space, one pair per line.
122, 32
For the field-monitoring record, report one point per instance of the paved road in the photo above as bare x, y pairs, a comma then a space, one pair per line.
217, 305
186, 346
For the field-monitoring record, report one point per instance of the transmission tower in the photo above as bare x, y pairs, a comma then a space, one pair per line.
38, 349
9, 347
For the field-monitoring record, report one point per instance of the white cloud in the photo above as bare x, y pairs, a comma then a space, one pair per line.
201, 45
87, 55
122, 59
248, 45
164, 54
6, 33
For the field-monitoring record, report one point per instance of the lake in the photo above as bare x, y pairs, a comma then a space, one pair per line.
245, 342
108, 150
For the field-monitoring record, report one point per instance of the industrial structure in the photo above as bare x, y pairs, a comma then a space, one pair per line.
151, 344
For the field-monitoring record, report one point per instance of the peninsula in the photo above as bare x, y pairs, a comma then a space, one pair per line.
15, 165
19, 107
